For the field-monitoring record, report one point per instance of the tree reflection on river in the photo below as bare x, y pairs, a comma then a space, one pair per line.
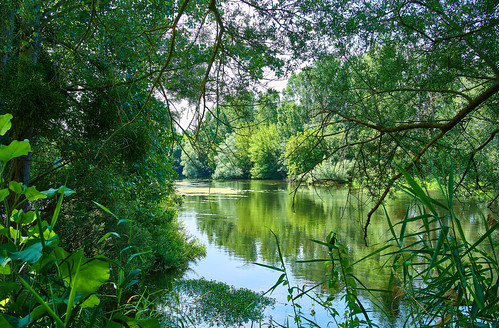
235, 220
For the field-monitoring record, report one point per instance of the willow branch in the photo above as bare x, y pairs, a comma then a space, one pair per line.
444, 129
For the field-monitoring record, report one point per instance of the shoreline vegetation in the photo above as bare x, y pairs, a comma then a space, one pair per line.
91, 141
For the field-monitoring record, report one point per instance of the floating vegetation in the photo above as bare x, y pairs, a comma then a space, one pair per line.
203, 303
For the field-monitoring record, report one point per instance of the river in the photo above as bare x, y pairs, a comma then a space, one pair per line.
236, 220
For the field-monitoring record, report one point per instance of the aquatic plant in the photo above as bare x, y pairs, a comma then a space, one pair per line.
199, 302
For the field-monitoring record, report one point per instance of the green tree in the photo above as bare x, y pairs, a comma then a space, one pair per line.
291, 119
423, 83
304, 151
228, 165
268, 102
195, 162
93, 88
264, 153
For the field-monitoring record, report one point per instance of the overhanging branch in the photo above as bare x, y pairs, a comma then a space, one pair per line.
443, 130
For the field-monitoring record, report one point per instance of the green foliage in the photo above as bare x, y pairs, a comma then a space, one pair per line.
341, 280
227, 163
214, 303
442, 278
304, 151
340, 171
195, 162
397, 91
267, 106
291, 119
445, 278
264, 153
42, 285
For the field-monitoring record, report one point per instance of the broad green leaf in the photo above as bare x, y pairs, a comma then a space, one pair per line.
13, 232
5, 270
16, 187
5, 123
15, 149
63, 189
119, 320
93, 273
22, 218
4, 193
91, 301
31, 254
33, 194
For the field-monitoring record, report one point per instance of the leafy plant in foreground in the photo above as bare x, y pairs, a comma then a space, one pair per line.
445, 279
340, 278
41, 284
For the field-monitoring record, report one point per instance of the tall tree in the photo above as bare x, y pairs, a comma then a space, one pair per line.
404, 81
94, 87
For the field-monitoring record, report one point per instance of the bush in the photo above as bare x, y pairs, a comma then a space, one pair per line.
43, 285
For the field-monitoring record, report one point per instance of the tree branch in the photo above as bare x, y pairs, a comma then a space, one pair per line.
444, 129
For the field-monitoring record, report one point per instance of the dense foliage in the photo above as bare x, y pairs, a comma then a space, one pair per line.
383, 83
41, 283
96, 89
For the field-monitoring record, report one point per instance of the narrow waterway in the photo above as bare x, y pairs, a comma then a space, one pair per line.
236, 221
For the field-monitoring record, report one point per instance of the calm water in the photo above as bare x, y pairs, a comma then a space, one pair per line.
234, 219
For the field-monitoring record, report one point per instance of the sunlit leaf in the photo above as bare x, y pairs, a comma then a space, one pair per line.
16, 187
13, 150
33, 194
63, 189
94, 272
4, 193
5, 270
5, 123
22, 218
91, 301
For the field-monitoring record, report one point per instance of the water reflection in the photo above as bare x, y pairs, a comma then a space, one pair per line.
235, 219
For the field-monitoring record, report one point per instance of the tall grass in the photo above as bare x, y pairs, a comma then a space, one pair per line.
446, 279
443, 278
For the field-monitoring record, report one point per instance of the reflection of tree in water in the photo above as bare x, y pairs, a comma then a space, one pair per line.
241, 224
221, 231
